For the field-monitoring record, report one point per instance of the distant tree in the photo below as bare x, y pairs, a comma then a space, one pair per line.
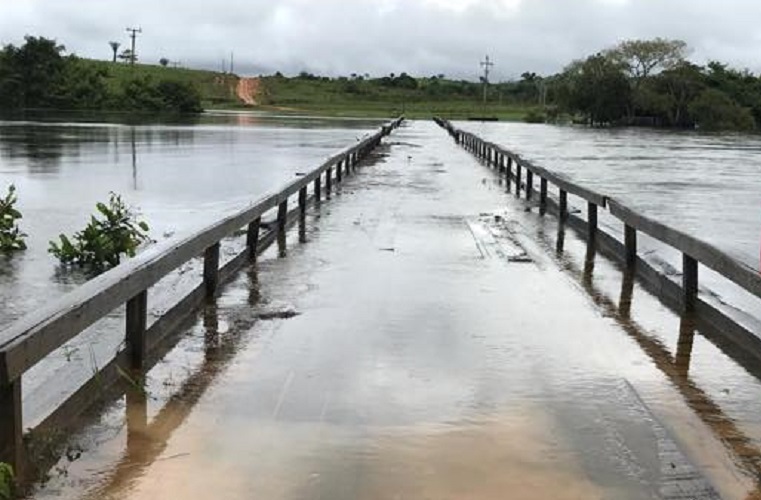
164, 62
597, 88
126, 55
115, 48
643, 58
30, 74
715, 110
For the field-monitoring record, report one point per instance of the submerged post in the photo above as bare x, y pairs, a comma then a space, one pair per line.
543, 196
630, 242
529, 184
339, 171
252, 237
136, 323
302, 213
211, 270
591, 226
563, 205
282, 217
328, 181
689, 282
518, 177
11, 426
318, 188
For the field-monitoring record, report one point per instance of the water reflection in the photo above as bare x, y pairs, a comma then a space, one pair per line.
676, 367
687, 329
42, 147
133, 142
148, 438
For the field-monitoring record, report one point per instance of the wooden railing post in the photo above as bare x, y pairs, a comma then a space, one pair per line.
563, 205
302, 214
509, 173
591, 226
136, 325
328, 182
252, 237
689, 282
211, 270
529, 184
543, 196
282, 217
318, 188
630, 243
11, 426
518, 177
339, 172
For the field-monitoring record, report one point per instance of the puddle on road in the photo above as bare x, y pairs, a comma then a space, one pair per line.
475, 460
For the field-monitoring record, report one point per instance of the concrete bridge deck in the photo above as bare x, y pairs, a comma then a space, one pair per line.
423, 344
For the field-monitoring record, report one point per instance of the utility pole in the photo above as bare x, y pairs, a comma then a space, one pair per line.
487, 65
133, 35
232, 63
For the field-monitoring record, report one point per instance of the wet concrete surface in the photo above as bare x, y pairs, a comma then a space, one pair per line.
425, 342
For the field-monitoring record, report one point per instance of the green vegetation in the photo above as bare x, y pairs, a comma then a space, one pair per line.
6, 481
38, 75
637, 82
104, 241
215, 89
651, 82
11, 237
362, 96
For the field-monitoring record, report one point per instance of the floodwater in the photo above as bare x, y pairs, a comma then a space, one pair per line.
179, 177
708, 185
438, 346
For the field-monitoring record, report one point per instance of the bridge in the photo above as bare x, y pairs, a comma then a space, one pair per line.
444, 323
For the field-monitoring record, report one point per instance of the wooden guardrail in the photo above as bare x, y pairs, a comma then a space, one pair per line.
694, 251
29, 340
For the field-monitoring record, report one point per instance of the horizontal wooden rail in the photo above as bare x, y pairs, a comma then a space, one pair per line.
694, 251
30, 339
708, 255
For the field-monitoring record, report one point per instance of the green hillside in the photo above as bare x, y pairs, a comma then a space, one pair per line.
216, 89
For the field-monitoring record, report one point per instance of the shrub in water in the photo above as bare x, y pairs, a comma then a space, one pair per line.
6, 481
11, 237
105, 240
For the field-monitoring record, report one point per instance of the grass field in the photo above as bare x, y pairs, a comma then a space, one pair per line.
369, 99
216, 89
316, 96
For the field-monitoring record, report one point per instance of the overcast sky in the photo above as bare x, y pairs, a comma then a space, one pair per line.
421, 37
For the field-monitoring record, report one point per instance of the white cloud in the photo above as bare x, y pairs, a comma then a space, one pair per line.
383, 36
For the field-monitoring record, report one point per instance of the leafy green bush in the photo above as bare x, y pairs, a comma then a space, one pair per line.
105, 240
11, 237
535, 116
715, 110
6, 481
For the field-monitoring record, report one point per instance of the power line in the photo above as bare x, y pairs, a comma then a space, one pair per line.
133, 35
487, 65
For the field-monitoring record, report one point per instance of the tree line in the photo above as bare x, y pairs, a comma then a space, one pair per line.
39, 75
651, 82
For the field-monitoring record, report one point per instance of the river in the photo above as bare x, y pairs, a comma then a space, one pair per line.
178, 176
707, 185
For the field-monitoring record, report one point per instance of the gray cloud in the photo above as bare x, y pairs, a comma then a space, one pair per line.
381, 36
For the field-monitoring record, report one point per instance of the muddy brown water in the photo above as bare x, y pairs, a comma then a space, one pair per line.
426, 342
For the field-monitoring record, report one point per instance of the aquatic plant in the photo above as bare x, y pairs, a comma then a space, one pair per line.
11, 237
105, 240
6, 481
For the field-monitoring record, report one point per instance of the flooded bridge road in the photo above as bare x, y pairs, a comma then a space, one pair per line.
424, 342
